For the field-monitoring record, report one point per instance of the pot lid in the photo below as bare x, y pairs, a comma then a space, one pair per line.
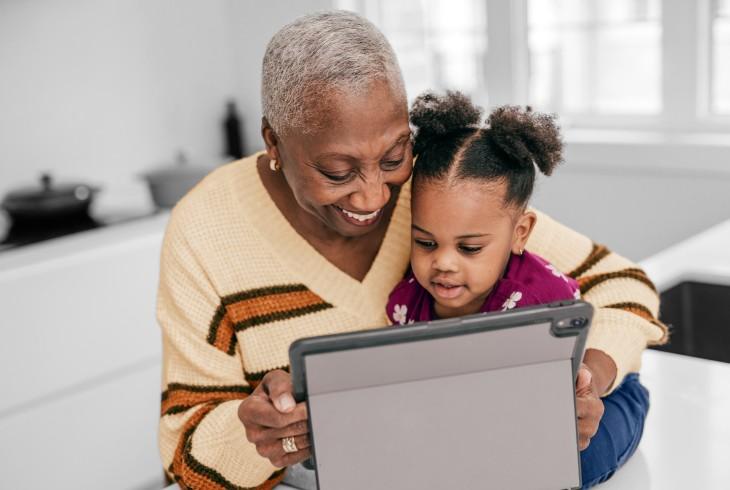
48, 191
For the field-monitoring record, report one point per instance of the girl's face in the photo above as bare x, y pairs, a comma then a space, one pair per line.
463, 236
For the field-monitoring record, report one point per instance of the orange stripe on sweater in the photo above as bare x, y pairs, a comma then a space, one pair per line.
271, 304
257, 307
589, 282
192, 474
179, 399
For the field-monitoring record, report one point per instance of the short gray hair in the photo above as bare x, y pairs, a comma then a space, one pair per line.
322, 51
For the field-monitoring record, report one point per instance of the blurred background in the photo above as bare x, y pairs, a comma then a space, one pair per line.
102, 92
108, 98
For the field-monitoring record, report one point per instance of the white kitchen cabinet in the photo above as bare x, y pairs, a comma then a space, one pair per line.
80, 360
104, 436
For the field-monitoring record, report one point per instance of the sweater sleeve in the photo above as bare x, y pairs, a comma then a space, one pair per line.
625, 300
202, 443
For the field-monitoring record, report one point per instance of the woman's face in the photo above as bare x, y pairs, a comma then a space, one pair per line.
462, 239
344, 174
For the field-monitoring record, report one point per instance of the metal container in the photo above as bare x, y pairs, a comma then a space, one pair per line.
169, 184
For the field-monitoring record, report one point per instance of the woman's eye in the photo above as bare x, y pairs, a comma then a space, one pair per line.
470, 250
392, 164
427, 244
340, 179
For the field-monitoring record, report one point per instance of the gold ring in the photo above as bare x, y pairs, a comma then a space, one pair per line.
289, 446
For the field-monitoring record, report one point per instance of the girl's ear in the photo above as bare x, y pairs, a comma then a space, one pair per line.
524, 226
270, 139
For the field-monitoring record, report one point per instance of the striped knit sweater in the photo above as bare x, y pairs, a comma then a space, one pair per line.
238, 285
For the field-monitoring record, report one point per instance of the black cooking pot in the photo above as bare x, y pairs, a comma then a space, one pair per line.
49, 202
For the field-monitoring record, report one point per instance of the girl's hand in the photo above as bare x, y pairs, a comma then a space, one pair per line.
270, 414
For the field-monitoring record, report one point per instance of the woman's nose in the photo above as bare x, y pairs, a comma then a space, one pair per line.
373, 194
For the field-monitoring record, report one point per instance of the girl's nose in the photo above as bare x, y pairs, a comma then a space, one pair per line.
445, 260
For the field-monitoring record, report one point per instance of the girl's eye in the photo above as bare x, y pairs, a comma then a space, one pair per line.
392, 164
470, 250
427, 244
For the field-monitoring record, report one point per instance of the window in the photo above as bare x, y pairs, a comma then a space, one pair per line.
721, 57
658, 65
595, 56
440, 45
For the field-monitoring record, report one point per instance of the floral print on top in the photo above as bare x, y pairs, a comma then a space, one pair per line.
528, 280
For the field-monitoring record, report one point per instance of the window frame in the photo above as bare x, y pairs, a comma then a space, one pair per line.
686, 77
686, 68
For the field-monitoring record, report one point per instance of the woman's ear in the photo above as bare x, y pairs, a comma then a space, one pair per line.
270, 139
524, 226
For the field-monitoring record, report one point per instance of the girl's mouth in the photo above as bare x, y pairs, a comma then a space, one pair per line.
359, 219
447, 291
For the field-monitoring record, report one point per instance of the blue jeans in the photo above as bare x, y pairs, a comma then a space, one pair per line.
619, 432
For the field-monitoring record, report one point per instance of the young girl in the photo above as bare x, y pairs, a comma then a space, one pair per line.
470, 222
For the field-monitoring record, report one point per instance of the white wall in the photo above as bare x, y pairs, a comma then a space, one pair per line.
639, 198
252, 25
101, 90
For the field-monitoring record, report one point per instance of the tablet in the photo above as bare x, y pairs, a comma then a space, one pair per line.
483, 401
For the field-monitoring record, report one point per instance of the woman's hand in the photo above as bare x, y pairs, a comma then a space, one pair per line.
270, 414
595, 376
589, 406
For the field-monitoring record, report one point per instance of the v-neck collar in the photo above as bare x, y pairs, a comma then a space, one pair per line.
316, 272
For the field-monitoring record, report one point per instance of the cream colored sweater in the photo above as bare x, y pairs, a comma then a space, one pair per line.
238, 285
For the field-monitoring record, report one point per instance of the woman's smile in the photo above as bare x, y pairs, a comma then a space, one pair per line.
359, 219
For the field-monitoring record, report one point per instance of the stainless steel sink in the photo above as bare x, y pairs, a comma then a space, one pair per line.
699, 318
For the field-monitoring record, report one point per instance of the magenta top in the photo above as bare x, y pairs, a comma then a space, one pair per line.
528, 280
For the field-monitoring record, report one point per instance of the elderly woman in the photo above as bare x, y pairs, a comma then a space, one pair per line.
308, 238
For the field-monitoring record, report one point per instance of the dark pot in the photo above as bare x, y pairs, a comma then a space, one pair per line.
49, 202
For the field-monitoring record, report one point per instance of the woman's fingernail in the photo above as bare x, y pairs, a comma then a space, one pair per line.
286, 403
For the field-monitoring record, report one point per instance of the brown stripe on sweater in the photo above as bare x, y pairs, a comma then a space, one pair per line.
259, 306
262, 292
589, 282
254, 378
187, 476
635, 308
191, 474
178, 398
598, 253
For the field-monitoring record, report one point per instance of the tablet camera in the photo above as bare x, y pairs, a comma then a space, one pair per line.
578, 322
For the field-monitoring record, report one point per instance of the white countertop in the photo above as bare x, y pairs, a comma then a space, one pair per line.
704, 257
87, 242
686, 442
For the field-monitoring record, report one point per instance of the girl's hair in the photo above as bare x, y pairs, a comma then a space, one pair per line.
451, 143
